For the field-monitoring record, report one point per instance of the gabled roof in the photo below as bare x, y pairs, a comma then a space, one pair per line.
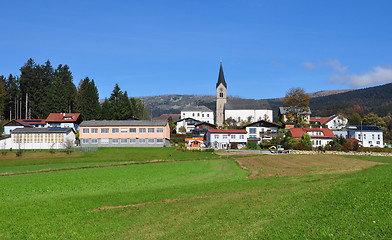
186, 119
63, 117
196, 109
166, 116
221, 77
205, 123
263, 123
119, 123
323, 120
283, 110
17, 123
297, 132
247, 104
33, 121
227, 130
363, 128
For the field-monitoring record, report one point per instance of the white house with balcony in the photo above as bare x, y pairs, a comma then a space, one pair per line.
200, 113
368, 136
224, 138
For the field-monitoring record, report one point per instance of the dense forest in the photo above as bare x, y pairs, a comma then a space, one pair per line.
42, 89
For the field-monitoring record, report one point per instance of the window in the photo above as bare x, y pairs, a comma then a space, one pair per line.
86, 130
142, 140
159, 140
198, 114
151, 130
104, 130
216, 136
373, 136
124, 130
94, 130
225, 136
370, 142
202, 115
183, 114
252, 130
239, 119
208, 115
85, 141
232, 136
151, 140
252, 136
114, 130
221, 94
159, 130
378, 142
115, 140
312, 142
364, 136
94, 141
132, 130
142, 130
132, 140
193, 114
242, 137
124, 140
378, 136
105, 141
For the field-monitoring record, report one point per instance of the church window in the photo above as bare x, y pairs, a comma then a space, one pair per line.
221, 94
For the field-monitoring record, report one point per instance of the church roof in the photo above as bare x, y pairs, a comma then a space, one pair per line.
221, 78
247, 104
191, 108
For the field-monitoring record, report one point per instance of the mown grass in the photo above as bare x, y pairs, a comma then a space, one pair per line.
214, 200
35, 161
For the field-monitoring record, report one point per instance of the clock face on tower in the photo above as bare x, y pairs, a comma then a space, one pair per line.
221, 89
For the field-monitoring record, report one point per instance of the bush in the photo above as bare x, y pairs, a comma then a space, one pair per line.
234, 146
301, 146
251, 145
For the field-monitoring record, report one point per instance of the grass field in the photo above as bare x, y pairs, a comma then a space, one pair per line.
210, 199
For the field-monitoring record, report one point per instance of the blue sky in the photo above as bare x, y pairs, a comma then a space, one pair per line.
173, 47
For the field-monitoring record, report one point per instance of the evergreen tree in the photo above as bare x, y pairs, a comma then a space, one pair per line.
29, 86
12, 89
87, 101
63, 90
3, 96
118, 106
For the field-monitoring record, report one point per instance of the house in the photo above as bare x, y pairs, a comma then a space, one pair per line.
42, 138
14, 124
64, 120
199, 113
224, 138
37, 123
235, 110
261, 130
194, 143
201, 128
187, 123
334, 122
175, 117
368, 136
125, 133
319, 136
283, 115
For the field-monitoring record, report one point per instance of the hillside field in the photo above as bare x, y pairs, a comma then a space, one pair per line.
157, 193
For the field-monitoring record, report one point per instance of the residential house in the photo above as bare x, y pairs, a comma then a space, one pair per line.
261, 130
125, 133
199, 113
42, 138
202, 128
334, 122
224, 138
188, 124
194, 143
368, 136
283, 111
319, 136
64, 120
14, 124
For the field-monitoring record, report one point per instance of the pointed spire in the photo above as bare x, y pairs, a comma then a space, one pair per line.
221, 78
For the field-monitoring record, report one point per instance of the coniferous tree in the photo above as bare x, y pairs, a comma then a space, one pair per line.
63, 90
3, 96
12, 89
87, 103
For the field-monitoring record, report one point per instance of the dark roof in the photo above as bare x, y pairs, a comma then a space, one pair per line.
103, 123
167, 115
206, 123
283, 110
16, 123
364, 128
263, 123
246, 104
196, 108
221, 77
42, 130
187, 119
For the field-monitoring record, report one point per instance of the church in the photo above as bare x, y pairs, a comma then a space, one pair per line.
236, 110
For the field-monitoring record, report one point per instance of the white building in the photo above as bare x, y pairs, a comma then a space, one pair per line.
200, 113
369, 136
334, 122
188, 124
223, 139
318, 136
248, 115
41, 138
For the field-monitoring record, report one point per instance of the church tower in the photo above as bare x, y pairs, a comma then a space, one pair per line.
221, 98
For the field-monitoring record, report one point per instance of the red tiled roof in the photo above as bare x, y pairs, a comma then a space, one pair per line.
297, 132
62, 117
33, 121
227, 130
322, 120
166, 116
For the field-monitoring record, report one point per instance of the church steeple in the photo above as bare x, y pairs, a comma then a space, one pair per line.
221, 78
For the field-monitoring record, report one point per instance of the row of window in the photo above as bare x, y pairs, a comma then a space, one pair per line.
122, 140
198, 114
123, 130
225, 136
318, 142
253, 130
364, 136
38, 138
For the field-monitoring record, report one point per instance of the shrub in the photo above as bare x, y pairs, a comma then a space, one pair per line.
234, 145
251, 145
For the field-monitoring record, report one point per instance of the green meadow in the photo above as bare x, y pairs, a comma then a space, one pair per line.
188, 195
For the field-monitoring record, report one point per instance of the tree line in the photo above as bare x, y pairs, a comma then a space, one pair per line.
41, 89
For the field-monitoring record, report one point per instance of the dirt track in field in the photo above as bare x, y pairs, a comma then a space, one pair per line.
289, 165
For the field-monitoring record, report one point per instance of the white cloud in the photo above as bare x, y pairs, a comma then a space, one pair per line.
334, 64
308, 65
379, 75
